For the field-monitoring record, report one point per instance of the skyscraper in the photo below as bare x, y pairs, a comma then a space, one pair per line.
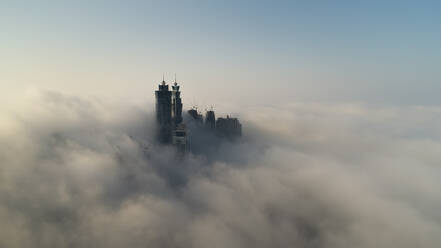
176, 104
163, 113
179, 131
210, 120
171, 129
228, 127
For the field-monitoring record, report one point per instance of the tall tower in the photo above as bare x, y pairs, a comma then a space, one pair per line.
179, 130
163, 113
228, 127
210, 120
176, 104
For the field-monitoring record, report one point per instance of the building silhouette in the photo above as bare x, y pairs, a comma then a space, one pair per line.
170, 126
228, 127
196, 116
210, 120
163, 113
176, 104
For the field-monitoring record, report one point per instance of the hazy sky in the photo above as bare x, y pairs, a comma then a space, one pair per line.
247, 52
339, 155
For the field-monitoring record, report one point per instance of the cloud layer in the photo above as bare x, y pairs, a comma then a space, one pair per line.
82, 173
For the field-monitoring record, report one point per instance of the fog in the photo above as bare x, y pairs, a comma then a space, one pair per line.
84, 172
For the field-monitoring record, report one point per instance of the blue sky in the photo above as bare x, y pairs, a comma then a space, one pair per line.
254, 52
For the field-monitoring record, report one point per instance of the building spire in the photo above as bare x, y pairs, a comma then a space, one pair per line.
175, 80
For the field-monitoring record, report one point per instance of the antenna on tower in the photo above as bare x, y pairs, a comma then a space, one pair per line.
163, 79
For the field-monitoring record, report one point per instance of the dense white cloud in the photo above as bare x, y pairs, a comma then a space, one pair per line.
82, 173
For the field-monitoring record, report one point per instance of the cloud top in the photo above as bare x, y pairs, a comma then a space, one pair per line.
82, 173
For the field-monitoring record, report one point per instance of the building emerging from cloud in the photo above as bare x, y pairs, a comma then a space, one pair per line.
171, 128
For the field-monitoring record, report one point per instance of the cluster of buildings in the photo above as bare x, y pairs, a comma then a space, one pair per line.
171, 128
